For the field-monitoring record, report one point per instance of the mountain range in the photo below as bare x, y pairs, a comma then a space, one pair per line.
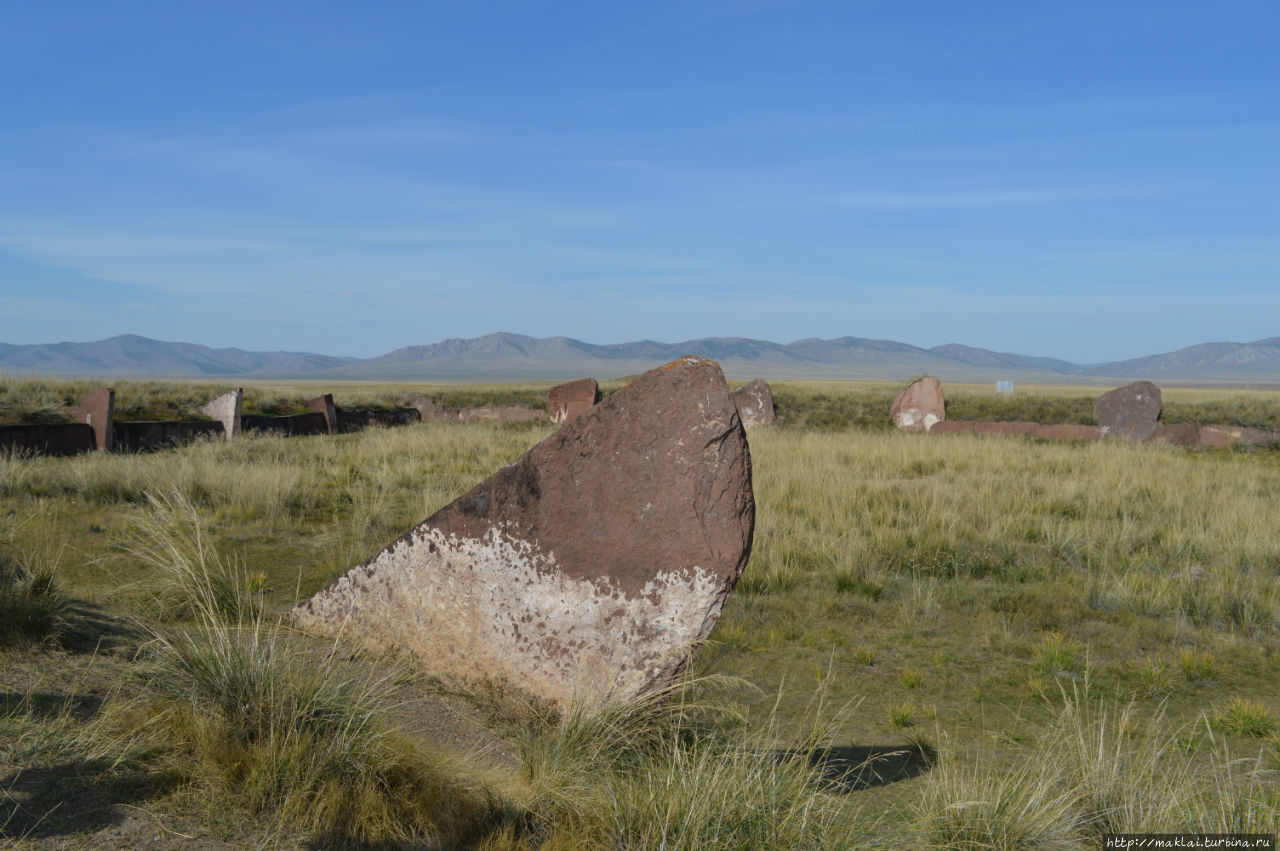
516, 357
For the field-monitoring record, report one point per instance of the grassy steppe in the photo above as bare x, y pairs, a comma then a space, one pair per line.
1011, 643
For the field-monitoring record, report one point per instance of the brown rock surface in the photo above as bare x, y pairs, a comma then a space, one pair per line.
1068, 432
1130, 411
1005, 429
506, 414
324, 405
755, 403
591, 567
226, 409
570, 400
952, 427
1182, 434
1223, 436
98, 411
919, 406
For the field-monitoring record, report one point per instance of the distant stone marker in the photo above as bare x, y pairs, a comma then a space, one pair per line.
919, 406
427, 409
755, 403
324, 405
591, 567
1130, 411
226, 409
568, 401
98, 411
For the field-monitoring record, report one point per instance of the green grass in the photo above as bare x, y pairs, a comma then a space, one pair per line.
958, 592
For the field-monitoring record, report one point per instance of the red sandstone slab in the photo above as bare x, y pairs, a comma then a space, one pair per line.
591, 567
1181, 434
324, 405
755, 403
573, 399
952, 427
1068, 432
1004, 429
919, 406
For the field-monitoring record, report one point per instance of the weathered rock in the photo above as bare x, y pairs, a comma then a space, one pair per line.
1130, 411
226, 409
919, 406
98, 411
1222, 436
1182, 434
427, 409
570, 400
324, 405
1068, 432
755, 403
591, 567
1005, 429
952, 427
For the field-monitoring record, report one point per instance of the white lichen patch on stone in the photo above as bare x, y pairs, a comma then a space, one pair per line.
930, 420
500, 609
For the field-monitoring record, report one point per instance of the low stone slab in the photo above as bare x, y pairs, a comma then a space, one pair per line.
591, 567
755, 403
324, 405
1130, 411
1223, 436
97, 410
507, 414
570, 400
919, 406
1004, 429
1182, 434
227, 410
952, 427
1068, 432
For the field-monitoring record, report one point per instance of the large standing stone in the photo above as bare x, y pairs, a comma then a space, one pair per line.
919, 406
755, 403
324, 405
98, 410
591, 567
1130, 411
568, 401
226, 409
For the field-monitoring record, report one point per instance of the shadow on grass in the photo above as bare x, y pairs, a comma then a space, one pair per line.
86, 628
849, 768
72, 798
81, 707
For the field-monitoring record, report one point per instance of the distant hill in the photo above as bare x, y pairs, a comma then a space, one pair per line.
131, 355
517, 357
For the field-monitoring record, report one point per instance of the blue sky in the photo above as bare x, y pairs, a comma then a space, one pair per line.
1083, 180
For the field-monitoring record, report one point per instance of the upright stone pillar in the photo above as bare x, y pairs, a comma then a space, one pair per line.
226, 410
98, 411
324, 405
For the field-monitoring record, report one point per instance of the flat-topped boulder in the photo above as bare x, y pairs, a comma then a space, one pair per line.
573, 399
919, 406
592, 567
1130, 411
755, 403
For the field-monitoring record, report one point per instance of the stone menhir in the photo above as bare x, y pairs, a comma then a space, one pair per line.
1130, 411
226, 409
592, 567
568, 401
324, 405
755, 403
98, 410
919, 406
427, 409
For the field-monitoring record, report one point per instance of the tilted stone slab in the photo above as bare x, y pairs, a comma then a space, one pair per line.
1130, 411
919, 406
427, 409
755, 403
97, 410
570, 400
591, 567
227, 409
324, 405
953, 427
